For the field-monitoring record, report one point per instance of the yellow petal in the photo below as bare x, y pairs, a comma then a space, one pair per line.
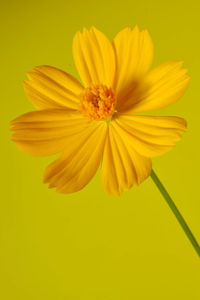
94, 58
161, 87
122, 166
150, 136
134, 56
46, 132
49, 87
79, 162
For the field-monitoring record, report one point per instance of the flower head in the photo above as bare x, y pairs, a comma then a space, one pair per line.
97, 122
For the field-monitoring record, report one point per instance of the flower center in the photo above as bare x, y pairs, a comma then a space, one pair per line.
98, 102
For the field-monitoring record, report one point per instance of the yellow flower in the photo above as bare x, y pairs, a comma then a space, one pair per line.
98, 123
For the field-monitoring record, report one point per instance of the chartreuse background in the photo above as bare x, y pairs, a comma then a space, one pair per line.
89, 245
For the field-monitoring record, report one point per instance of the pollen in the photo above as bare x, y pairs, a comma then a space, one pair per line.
98, 103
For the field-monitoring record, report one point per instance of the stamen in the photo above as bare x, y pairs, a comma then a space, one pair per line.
98, 103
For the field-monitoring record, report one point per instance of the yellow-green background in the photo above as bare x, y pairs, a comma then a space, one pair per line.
88, 245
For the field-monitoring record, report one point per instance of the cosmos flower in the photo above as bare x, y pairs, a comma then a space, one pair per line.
99, 122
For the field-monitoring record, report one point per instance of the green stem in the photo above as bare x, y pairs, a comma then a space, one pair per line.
176, 212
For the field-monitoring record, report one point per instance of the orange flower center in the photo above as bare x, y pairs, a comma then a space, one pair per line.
98, 103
